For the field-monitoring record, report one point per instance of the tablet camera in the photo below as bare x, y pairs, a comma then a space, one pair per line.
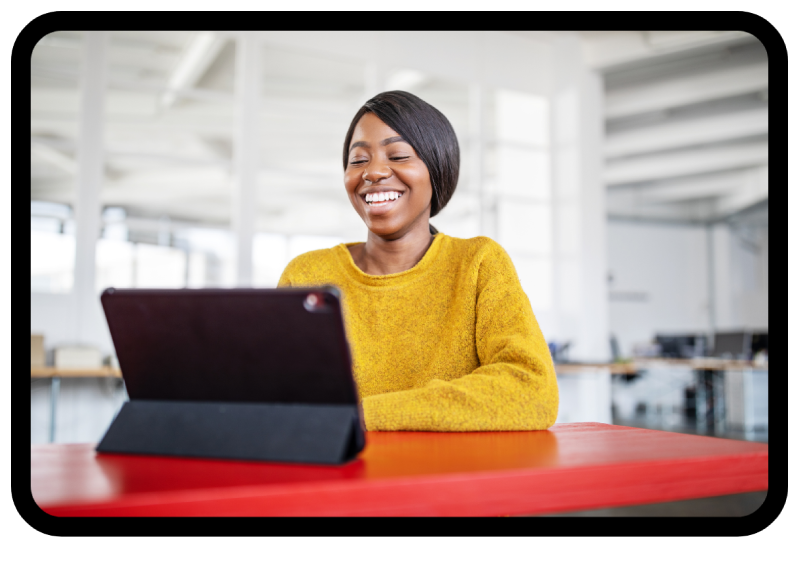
314, 302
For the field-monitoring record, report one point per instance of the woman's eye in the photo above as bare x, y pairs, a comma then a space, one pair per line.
397, 158
357, 162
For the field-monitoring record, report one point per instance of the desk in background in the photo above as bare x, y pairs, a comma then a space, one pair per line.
730, 394
727, 396
640, 364
586, 393
569, 467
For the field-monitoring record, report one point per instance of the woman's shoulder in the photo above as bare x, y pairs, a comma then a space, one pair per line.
311, 265
315, 256
480, 246
485, 258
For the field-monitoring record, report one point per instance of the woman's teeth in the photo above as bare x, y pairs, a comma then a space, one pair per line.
378, 198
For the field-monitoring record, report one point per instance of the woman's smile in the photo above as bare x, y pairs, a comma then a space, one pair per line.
382, 201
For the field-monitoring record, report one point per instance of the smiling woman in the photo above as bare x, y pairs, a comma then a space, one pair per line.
394, 189
443, 336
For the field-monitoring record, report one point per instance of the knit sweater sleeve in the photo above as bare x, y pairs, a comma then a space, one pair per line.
285, 280
514, 388
286, 277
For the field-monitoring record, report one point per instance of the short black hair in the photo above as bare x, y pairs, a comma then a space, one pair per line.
427, 130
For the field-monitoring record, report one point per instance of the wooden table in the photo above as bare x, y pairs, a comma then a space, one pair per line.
569, 467
643, 363
52, 371
56, 374
709, 381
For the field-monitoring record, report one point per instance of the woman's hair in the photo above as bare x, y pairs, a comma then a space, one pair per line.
428, 132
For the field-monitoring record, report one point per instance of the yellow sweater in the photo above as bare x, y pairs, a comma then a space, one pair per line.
449, 345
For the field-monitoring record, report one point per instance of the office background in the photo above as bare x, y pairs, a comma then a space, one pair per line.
624, 172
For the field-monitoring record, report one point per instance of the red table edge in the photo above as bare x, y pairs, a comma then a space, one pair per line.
537, 491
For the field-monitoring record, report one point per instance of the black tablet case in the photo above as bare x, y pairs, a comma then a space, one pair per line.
256, 374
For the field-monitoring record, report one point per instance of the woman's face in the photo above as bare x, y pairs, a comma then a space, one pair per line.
388, 184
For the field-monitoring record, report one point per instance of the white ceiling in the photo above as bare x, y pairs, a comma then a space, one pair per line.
686, 124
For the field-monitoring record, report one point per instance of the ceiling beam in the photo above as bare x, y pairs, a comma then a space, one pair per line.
715, 185
754, 189
629, 205
704, 130
687, 162
54, 157
750, 188
198, 57
119, 84
114, 154
51, 150
603, 50
680, 91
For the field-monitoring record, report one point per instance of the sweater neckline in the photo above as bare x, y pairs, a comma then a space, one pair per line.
388, 279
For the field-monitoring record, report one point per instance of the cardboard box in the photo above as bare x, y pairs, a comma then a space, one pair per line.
78, 357
37, 350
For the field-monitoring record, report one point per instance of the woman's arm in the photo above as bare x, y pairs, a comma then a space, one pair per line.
514, 388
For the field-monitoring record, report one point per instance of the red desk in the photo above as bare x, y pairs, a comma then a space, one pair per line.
570, 467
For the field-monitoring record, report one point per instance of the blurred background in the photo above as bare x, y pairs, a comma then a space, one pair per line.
625, 172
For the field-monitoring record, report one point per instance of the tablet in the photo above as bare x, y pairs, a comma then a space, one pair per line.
284, 345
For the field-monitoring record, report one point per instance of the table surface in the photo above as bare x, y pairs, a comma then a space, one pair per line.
568, 467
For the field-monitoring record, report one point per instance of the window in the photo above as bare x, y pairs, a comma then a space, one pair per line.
52, 248
520, 179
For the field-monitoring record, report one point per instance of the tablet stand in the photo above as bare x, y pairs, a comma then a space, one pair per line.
303, 433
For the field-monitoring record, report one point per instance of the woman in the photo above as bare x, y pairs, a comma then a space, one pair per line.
443, 337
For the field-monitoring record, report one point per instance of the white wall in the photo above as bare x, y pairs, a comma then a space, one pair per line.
662, 271
661, 280
53, 315
742, 284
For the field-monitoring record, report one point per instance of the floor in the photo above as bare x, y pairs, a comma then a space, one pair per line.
666, 399
732, 505
85, 409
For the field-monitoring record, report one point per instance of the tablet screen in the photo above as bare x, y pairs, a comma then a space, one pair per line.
284, 345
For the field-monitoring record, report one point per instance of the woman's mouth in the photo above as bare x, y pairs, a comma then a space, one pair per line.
382, 201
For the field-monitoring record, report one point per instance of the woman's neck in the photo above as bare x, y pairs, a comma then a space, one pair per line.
380, 257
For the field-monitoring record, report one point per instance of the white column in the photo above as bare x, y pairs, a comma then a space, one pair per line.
477, 152
594, 337
89, 184
579, 204
712, 313
726, 315
246, 153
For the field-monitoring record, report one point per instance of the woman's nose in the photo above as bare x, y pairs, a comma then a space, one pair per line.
376, 173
